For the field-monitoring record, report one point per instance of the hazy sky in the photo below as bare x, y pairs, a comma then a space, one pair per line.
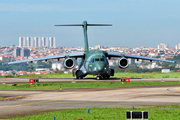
136, 23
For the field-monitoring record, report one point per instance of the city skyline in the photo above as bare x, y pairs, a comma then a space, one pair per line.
37, 41
51, 43
135, 22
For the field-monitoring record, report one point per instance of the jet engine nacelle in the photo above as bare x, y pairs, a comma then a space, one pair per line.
68, 63
123, 63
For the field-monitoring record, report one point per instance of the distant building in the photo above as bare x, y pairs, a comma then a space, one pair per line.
37, 42
131, 61
42, 69
165, 70
45, 41
25, 52
22, 41
177, 66
52, 42
138, 61
17, 52
153, 65
57, 65
162, 46
98, 47
1, 58
29, 42
177, 47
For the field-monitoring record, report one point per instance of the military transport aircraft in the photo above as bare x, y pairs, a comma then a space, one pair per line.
92, 61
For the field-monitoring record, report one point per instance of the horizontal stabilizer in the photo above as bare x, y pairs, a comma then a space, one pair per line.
70, 25
86, 24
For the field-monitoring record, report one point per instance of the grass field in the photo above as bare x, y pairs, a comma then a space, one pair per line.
155, 113
117, 75
53, 86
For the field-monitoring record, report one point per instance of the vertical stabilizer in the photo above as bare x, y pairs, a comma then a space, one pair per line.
86, 46
84, 25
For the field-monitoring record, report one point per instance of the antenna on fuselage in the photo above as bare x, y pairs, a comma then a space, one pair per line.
84, 25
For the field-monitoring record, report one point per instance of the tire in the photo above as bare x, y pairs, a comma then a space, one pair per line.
98, 78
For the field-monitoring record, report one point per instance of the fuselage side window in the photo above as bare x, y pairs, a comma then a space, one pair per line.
92, 61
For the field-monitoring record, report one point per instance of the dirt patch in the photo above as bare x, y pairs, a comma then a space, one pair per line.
11, 98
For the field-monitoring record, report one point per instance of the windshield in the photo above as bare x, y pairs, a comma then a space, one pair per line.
92, 61
96, 59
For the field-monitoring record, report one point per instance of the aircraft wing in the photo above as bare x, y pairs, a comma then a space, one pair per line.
112, 54
75, 55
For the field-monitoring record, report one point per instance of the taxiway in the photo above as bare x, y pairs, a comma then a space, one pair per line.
30, 102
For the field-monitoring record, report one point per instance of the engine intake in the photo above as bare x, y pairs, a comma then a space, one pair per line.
68, 63
123, 63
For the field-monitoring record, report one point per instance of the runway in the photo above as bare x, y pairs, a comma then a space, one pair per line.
47, 80
32, 102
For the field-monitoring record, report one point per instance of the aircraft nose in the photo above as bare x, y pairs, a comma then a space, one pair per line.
99, 68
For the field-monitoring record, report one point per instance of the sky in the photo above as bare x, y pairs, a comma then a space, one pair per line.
136, 23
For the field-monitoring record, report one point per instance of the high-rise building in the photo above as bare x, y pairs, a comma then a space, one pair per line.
52, 42
29, 42
25, 52
22, 41
17, 52
162, 46
37, 42
45, 41
177, 46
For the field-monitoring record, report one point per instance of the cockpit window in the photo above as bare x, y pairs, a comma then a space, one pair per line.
101, 59
96, 59
92, 61
105, 59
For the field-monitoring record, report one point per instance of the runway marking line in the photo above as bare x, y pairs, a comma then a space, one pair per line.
177, 89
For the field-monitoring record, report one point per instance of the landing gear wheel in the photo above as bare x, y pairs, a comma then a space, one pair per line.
108, 77
98, 77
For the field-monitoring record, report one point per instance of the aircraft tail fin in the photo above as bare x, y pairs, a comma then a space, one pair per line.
84, 25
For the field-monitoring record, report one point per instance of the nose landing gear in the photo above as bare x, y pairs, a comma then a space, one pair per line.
98, 77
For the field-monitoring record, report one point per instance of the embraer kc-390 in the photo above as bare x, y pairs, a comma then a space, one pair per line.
92, 61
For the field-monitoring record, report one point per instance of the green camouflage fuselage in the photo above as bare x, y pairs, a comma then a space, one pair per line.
95, 62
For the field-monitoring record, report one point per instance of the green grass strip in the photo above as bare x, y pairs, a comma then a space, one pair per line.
156, 113
53, 86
